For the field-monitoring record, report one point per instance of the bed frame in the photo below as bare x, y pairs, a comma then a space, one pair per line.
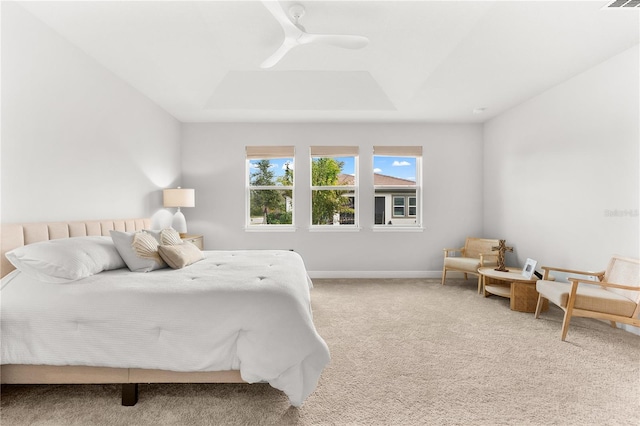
19, 234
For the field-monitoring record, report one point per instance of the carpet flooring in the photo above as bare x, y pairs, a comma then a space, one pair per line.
404, 352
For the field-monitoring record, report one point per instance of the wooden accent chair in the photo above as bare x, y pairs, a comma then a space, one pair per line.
615, 297
473, 255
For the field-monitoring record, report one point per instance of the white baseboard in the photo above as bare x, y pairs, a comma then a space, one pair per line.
630, 328
375, 274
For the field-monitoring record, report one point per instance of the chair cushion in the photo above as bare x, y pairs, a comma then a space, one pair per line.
466, 264
588, 297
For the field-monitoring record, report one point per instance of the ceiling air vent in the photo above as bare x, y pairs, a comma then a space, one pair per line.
624, 3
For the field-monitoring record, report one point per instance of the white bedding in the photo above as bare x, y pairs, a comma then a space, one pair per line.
234, 310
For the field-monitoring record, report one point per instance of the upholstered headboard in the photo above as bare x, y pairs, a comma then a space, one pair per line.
14, 235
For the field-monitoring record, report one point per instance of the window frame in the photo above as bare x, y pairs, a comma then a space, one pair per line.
335, 152
253, 153
388, 190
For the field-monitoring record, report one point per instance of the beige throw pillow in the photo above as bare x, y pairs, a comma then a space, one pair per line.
166, 236
170, 237
139, 250
180, 255
145, 246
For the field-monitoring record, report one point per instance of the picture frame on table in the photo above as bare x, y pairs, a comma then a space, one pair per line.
529, 268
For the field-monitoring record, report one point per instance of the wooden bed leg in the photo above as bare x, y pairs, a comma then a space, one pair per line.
129, 394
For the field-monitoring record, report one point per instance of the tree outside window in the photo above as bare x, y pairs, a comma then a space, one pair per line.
329, 205
333, 185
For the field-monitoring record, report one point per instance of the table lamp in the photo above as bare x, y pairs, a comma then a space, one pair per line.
179, 197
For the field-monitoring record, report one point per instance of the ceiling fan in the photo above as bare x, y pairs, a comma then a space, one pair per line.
296, 35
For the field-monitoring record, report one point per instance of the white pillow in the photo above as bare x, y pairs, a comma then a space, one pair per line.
66, 259
139, 250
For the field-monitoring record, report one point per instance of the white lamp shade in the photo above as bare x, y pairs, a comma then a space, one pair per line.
179, 197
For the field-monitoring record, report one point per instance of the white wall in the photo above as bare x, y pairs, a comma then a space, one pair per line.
213, 162
77, 141
556, 165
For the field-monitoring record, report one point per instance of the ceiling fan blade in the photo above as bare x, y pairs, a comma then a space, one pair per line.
346, 41
290, 30
277, 55
294, 34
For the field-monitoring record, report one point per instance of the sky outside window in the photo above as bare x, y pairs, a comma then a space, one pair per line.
400, 167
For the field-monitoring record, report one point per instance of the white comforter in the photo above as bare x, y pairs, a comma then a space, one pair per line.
234, 310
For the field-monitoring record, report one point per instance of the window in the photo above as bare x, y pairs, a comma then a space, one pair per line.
404, 206
413, 206
269, 186
396, 179
398, 206
334, 186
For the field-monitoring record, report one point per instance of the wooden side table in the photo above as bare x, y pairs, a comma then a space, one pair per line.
197, 240
512, 285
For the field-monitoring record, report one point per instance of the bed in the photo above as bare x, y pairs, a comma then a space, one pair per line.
234, 316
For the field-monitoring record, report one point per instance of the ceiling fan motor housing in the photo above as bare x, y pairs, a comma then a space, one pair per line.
296, 11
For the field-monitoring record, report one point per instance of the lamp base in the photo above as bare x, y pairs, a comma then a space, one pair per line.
179, 223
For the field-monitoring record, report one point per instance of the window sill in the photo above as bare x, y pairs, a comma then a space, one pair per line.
334, 228
397, 228
270, 228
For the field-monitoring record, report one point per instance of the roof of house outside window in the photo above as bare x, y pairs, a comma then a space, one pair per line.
378, 179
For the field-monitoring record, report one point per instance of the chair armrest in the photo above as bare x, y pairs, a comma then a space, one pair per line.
604, 284
447, 250
489, 254
483, 255
548, 269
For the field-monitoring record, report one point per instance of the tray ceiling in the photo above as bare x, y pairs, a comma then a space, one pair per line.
426, 61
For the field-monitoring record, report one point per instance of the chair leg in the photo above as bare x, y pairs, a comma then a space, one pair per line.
539, 306
444, 274
568, 310
565, 325
465, 276
613, 324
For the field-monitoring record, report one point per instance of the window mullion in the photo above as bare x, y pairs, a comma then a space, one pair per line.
333, 188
